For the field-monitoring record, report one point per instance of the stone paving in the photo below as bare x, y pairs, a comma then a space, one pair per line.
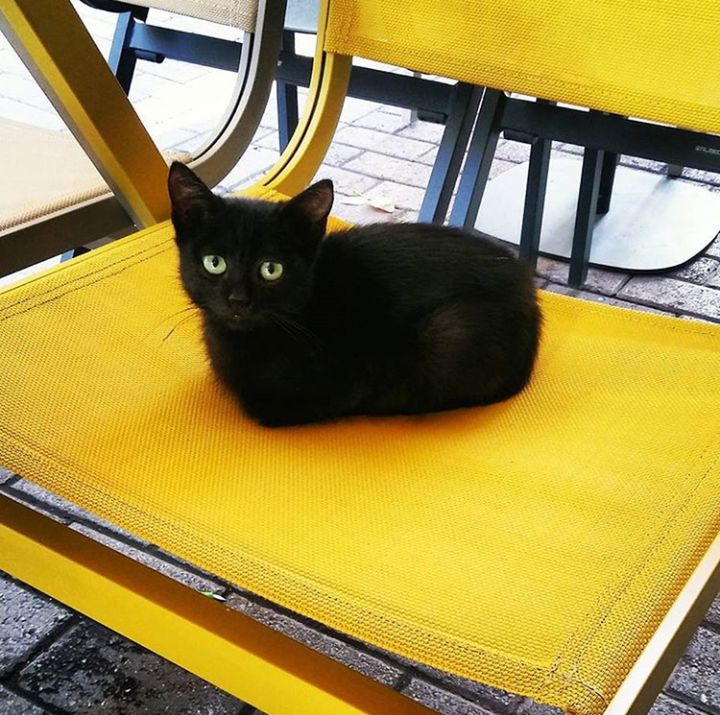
53, 660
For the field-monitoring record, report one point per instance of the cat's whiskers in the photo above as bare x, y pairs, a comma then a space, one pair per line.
293, 328
169, 318
178, 312
184, 319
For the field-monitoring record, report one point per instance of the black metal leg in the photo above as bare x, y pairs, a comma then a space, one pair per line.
287, 99
414, 112
73, 253
535, 200
607, 179
585, 217
122, 59
479, 159
461, 114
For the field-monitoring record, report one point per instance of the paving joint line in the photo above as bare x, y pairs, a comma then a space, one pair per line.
641, 301
711, 626
621, 286
30, 500
690, 701
12, 480
459, 690
53, 635
404, 679
379, 152
149, 549
33, 699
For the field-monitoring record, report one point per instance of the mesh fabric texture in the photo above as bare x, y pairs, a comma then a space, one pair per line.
532, 545
235, 13
46, 171
655, 59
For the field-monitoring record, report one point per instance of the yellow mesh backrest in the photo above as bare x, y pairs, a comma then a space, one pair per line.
655, 59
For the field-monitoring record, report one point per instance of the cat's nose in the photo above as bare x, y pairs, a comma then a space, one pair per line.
238, 300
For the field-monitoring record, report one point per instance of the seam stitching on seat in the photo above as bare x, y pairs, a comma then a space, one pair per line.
91, 256
587, 640
98, 279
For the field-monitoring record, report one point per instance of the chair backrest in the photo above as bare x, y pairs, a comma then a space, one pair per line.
65, 61
652, 59
235, 13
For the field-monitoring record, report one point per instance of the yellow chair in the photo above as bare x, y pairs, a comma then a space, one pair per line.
561, 545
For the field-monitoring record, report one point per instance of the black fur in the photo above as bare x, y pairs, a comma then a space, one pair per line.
377, 320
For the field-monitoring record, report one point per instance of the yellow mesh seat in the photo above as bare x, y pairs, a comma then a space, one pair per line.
532, 545
656, 61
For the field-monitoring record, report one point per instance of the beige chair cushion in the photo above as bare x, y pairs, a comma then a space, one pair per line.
235, 13
45, 171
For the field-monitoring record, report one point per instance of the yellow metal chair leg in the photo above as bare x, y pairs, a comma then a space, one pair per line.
57, 49
243, 657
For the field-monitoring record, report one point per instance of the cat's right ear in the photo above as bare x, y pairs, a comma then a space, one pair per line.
192, 201
312, 206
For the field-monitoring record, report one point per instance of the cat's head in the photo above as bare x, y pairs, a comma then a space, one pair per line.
242, 261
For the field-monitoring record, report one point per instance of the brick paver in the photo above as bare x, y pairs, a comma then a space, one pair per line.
696, 677
389, 144
52, 660
674, 295
441, 700
714, 613
382, 668
26, 620
13, 704
714, 248
391, 168
90, 669
669, 706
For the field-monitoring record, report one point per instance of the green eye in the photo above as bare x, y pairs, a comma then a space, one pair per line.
214, 264
271, 271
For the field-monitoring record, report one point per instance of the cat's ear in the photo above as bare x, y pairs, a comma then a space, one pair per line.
312, 206
192, 201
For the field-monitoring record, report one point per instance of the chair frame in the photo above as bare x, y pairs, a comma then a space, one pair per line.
251, 660
604, 138
453, 105
134, 39
127, 158
248, 659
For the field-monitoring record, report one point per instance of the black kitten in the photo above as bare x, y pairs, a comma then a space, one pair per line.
377, 320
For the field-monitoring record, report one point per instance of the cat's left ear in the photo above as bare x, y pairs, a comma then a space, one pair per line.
312, 207
192, 201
